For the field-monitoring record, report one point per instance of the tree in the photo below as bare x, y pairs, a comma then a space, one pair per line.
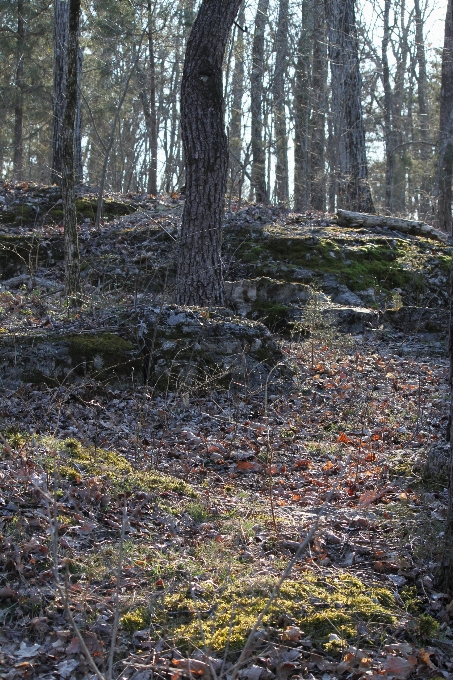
278, 92
444, 171
71, 246
354, 191
199, 274
19, 107
60, 44
302, 108
256, 96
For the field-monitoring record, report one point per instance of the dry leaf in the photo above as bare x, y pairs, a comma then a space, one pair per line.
401, 668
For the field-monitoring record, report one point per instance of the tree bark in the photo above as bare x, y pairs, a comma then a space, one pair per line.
389, 155
153, 127
318, 115
256, 96
61, 18
71, 246
444, 191
278, 90
78, 160
424, 206
19, 105
302, 109
235, 133
354, 190
199, 275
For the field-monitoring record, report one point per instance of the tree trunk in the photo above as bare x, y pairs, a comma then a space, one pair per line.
235, 135
302, 109
78, 160
445, 128
389, 155
278, 91
424, 207
61, 17
71, 246
153, 131
199, 274
354, 190
318, 115
19, 106
256, 96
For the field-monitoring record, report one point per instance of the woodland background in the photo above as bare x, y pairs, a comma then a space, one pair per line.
277, 64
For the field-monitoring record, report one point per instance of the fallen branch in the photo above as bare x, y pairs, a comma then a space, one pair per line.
355, 219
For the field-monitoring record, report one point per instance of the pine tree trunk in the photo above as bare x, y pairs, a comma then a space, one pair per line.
256, 96
61, 18
153, 128
444, 192
302, 109
389, 154
354, 191
199, 275
19, 106
235, 133
318, 115
78, 161
71, 246
424, 207
278, 91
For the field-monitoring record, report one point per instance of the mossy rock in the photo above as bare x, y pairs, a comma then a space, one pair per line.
49, 359
16, 253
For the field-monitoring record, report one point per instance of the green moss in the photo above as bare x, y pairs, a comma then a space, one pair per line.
75, 462
427, 627
319, 606
105, 349
273, 314
135, 620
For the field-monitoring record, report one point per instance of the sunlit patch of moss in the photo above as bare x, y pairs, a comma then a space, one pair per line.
138, 619
319, 606
73, 461
427, 627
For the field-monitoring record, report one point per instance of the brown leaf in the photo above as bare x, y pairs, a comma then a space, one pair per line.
8, 593
401, 668
193, 665
303, 464
247, 465
291, 634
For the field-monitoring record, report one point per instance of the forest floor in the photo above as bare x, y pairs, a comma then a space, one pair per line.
164, 519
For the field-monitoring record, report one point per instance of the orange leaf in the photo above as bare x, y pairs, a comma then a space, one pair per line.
247, 465
304, 464
328, 466
343, 439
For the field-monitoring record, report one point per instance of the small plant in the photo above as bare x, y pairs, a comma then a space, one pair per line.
198, 512
135, 620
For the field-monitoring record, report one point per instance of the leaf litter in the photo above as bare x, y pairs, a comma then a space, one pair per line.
219, 493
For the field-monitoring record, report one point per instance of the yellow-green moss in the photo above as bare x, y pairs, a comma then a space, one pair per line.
319, 606
75, 461
135, 620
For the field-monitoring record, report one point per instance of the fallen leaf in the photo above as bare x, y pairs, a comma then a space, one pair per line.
193, 665
399, 667
291, 634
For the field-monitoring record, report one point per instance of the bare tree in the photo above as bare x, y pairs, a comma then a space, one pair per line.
256, 97
353, 189
444, 171
302, 108
278, 92
424, 207
388, 131
318, 115
19, 97
61, 26
199, 274
235, 132
71, 245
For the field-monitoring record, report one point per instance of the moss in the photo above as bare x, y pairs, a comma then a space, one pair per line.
427, 627
76, 462
274, 315
135, 620
106, 351
319, 606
